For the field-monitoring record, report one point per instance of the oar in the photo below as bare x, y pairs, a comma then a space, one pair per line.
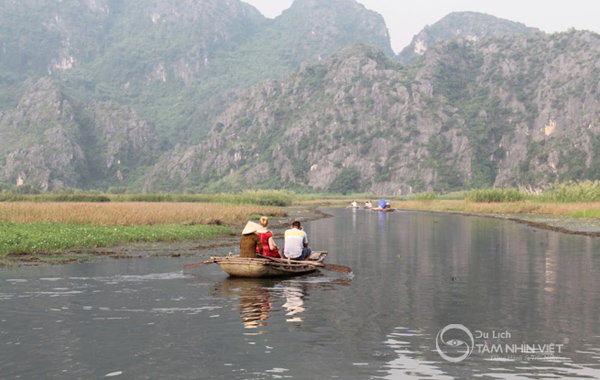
329, 267
337, 268
198, 264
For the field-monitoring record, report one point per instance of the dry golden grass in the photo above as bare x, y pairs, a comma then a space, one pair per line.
523, 207
133, 213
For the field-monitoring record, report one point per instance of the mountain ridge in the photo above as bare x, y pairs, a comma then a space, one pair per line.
212, 96
431, 130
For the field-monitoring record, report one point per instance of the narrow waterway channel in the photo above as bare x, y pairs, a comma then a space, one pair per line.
431, 296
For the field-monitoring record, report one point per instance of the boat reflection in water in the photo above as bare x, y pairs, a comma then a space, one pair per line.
294, 295
255, 308
263, 298
259, 299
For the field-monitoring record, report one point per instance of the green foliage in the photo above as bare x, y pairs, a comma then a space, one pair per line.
8, 197
574, 163
426, 197
595, 214
490, 195
16, 238
382, 173
347, 181
278, 198
593, 171
25, 189
449, 178
571, 192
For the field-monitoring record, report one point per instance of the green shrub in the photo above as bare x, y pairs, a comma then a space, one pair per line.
571, 192
426, 197
489, 195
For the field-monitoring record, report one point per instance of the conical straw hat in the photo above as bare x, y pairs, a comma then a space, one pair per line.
251, 227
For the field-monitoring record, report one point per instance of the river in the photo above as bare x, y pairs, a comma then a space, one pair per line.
431, 296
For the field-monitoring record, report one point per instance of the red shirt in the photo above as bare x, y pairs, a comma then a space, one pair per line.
264, 239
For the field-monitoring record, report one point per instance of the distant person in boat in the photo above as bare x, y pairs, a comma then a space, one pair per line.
270, 249
368, 204
296, 243
250, 243
353, 204
382, 203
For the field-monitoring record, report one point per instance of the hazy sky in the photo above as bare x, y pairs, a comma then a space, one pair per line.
406, 18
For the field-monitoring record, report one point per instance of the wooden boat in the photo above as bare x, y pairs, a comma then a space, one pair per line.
383, 209
236, 266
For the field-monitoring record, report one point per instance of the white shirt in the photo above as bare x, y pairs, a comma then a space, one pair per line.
294, 243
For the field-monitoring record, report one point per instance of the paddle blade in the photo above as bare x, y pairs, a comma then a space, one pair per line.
198, 264
337, 268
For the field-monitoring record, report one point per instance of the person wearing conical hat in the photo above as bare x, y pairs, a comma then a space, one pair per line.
250, 243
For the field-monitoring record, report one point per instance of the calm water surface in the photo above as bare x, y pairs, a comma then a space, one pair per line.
432, 296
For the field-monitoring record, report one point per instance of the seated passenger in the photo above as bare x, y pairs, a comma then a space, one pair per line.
270, 249
296, 243
250, 243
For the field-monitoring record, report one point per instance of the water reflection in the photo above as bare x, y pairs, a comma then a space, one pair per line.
260, 299
294, 295
255, 298
410, 362
383, 217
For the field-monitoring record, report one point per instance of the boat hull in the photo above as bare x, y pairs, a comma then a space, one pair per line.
236, 266
383, 209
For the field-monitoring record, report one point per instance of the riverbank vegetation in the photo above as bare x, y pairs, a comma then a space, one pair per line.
51, 238
577, 199
252, 197
51, 223
42, 224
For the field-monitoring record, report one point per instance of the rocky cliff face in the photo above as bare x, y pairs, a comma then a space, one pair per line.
39, 138
510, 111
468, 25
50, 141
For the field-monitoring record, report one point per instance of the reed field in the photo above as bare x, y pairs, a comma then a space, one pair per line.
50, 227
133, 213
589, 210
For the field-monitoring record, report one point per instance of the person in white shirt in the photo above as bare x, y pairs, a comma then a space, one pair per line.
296, 243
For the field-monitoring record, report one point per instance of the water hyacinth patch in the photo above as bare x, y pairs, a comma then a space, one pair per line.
18, 238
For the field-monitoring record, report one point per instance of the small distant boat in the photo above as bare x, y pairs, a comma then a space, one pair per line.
383, 209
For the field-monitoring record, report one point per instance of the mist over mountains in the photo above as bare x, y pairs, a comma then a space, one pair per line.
210, 95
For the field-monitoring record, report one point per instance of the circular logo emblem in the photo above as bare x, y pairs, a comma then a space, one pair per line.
447, 348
